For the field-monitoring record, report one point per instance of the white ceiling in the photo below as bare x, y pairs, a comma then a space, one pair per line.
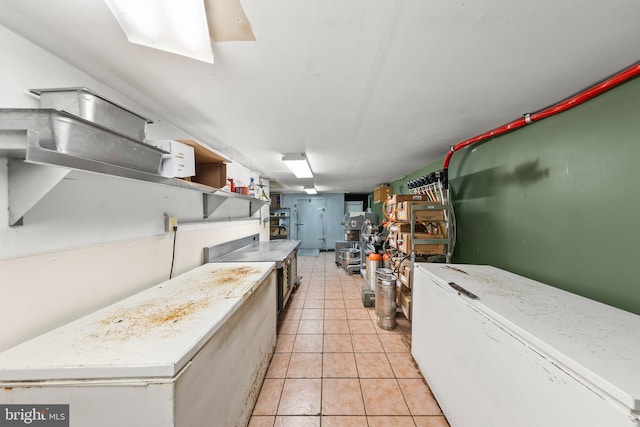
369, 90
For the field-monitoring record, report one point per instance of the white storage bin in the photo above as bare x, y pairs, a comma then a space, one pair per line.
180, 162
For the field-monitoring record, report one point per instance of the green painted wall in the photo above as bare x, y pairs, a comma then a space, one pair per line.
557, 200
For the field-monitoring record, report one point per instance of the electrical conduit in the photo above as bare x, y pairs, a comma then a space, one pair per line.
565, 105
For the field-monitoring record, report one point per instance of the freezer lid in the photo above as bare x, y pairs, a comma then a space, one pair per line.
599, 342
151, 334
273, 250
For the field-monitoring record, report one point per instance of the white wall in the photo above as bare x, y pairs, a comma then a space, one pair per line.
94, 239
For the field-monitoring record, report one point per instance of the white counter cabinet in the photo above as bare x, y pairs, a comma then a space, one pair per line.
189, 352
523, 354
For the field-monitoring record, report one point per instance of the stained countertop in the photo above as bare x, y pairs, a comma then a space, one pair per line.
153, 333
272, 250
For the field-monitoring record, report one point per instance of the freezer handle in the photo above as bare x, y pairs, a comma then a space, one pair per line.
462, 291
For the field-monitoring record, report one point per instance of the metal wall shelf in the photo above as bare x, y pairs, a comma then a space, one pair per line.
31, 175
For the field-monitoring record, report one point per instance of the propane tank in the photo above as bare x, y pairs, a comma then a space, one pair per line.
386, 261
374, 261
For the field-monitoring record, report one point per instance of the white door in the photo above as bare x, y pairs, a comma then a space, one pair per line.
310, 223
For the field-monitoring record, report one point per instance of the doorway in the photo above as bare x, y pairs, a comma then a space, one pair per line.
310, 223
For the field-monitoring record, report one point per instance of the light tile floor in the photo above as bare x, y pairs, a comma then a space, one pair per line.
334, 367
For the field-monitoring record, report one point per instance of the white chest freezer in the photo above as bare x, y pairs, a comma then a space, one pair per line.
192, 351
501, 350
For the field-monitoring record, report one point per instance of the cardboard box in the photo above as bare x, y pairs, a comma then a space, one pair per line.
405, 271
381, 193
393, 239
423, 249
211, 174
398, 198
203, 154
211, 169
403, 213
405, 227
276, 200
404, 301
404, 277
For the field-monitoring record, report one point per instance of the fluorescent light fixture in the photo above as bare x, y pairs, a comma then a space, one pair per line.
176, 26
298, 164
310, 190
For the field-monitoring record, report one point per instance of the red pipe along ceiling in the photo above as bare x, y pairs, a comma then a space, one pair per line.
565, 105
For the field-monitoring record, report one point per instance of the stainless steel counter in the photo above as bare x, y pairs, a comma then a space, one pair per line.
269, 251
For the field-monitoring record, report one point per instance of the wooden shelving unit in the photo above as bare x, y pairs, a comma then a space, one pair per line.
418, 229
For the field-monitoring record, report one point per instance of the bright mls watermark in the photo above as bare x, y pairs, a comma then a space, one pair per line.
34, 415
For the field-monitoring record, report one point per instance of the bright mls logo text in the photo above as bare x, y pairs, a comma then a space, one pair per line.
38, 415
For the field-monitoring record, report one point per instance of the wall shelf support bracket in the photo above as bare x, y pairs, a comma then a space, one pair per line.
211, 202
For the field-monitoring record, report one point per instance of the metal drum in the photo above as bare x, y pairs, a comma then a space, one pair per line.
386, 301
383, 270
373, 263
349, 256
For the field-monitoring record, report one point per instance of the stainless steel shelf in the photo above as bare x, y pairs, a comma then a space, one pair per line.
28, 159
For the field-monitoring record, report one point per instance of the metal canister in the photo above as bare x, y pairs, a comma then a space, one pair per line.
386, 301
349, 256
374, 261
384, 270
386, 261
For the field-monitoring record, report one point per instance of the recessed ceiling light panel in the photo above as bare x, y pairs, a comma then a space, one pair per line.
298, 164
176, 26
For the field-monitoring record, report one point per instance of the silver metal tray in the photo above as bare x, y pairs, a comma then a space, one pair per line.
65, 133
85, 103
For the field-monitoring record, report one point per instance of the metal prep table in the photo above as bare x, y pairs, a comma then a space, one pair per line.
249, 249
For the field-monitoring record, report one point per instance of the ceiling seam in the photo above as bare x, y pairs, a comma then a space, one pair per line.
378, 67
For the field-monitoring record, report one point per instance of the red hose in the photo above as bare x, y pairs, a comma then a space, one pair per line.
565, 105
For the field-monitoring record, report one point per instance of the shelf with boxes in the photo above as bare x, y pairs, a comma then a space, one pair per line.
279, 224
211, 170
417, 226
78, 130
420, 225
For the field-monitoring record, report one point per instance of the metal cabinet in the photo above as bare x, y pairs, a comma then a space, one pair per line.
279, 223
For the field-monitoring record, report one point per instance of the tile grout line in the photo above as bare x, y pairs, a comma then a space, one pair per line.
379, 336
